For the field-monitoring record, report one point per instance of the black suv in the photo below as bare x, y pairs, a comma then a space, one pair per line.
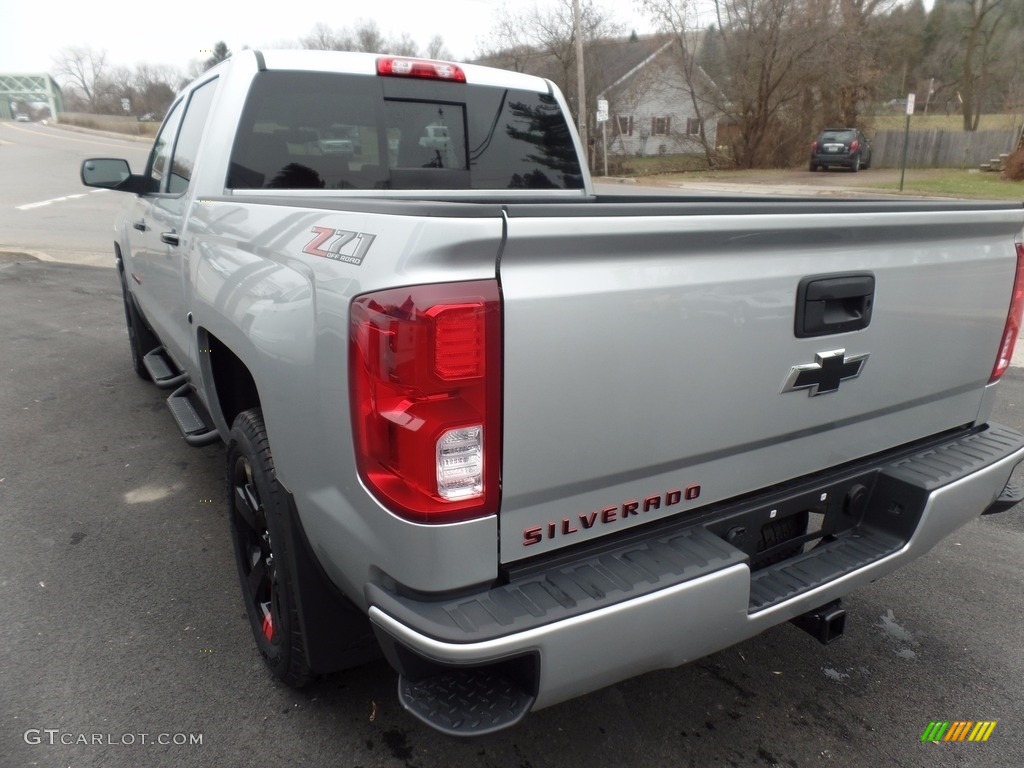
845, 147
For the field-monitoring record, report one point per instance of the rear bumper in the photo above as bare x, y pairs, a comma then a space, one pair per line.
840, 159
672, 596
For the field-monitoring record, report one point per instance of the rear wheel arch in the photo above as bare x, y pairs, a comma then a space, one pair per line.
233, 389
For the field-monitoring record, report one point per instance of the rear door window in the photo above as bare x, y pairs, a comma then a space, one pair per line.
186, 149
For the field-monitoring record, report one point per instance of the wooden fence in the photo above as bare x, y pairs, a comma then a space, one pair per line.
941, 149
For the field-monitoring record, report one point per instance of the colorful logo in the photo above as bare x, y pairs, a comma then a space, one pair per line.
958, 730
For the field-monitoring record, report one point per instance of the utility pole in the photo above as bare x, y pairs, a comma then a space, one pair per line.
581, 93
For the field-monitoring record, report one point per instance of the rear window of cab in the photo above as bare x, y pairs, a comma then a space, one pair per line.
309, 130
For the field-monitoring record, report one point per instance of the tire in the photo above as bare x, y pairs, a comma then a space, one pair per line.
856, 165
813, 167
258, 530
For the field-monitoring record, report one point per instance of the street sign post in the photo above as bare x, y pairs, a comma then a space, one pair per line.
906, 137
602, 119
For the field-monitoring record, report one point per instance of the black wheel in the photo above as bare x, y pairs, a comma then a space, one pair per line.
141, 340
258, 525
856, 165
813, 167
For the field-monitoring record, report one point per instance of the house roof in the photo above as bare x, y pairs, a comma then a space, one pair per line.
613, 62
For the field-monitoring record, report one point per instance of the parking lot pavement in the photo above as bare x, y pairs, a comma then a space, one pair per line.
122, 628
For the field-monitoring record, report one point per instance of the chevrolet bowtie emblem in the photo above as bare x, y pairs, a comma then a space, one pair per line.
825, 373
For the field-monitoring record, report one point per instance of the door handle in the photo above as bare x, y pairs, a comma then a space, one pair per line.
171, 238
140, 225
828, 304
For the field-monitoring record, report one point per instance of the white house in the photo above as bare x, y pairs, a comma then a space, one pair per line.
654, 106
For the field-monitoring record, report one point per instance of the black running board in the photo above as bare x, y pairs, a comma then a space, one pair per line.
191, 417
162, 370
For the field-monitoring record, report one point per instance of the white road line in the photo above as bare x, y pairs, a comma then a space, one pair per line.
30, 206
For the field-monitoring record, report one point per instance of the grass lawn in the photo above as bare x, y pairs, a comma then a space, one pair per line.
941, 122
928, 182
631, 165
953, 183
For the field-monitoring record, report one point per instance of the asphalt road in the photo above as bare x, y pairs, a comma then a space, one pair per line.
121, 624
44, 209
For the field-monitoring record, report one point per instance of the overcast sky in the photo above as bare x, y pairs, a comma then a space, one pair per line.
135, 31
176, 32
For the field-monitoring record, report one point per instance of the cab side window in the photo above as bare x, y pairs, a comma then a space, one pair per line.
186, 149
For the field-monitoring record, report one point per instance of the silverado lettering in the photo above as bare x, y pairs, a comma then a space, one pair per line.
624, 511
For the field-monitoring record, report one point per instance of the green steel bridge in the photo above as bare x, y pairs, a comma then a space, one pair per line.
29, 88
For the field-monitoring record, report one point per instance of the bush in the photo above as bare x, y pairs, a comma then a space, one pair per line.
1014, 170
651, 165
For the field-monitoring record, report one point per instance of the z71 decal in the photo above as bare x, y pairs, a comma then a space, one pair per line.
341, 245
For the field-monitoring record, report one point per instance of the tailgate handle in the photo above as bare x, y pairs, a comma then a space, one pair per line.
827, 304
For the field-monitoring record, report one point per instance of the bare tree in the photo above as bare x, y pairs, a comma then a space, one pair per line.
82, 71
854, 50
534, 39
770, 48
220, 53
403, 46
780, 67
506, 48
436, 49
119, 85
984, 17
368, 37
155, 88
324, 38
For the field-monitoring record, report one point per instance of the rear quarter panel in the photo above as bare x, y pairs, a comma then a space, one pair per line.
284, 313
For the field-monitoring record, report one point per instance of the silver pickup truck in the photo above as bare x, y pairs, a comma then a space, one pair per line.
528, 440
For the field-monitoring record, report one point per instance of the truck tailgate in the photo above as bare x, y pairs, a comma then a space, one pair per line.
652, 364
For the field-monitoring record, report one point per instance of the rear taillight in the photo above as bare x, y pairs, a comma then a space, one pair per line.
425, 369
395, 66
854, 145
814, 146
1013, 320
